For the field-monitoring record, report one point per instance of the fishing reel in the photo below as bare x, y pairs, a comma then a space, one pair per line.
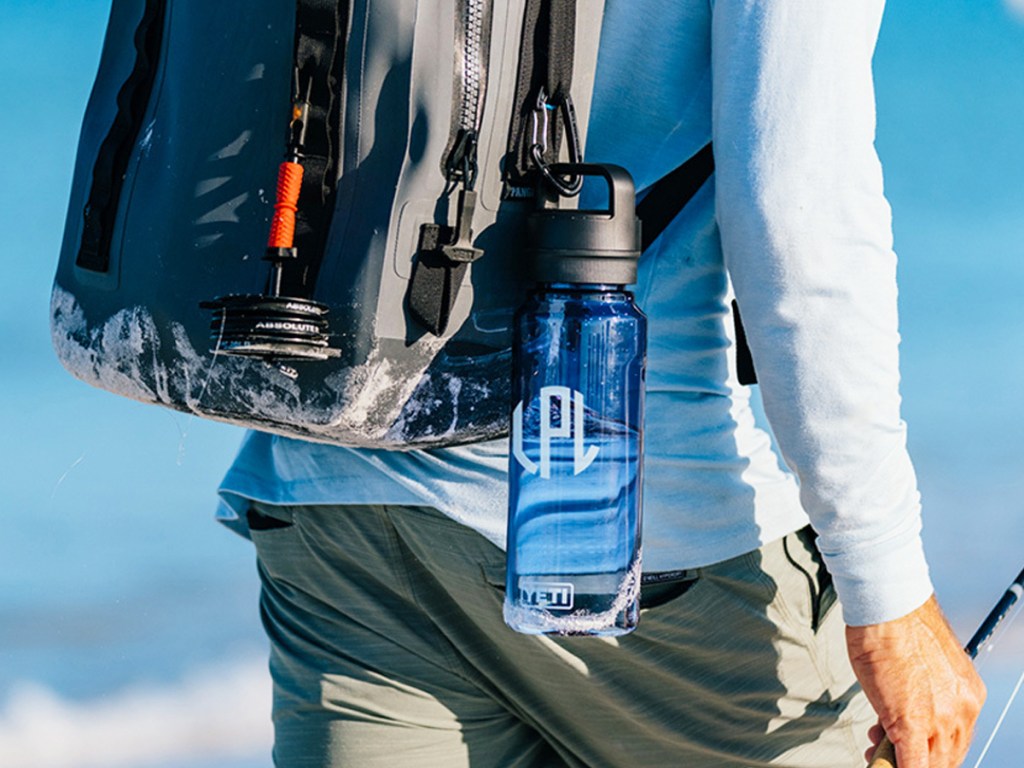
270, 326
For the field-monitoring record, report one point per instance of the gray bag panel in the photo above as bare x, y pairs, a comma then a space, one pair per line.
196, 203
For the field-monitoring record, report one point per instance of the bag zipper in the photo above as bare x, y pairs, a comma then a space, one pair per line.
472, 46
474, 65
445, 251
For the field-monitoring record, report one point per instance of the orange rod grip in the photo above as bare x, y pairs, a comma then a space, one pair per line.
282, 227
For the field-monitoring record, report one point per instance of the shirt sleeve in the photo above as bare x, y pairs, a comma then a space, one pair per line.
807, 237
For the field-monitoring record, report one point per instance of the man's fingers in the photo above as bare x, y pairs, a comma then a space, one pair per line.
922, 685
912, 752
941, 750
876, 733
944, 749
882, 756
960, 745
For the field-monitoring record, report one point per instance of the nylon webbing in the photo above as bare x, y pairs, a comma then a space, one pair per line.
435, 281
665, 200
547, 56
670, 194
560, 46
320, 29
744, 361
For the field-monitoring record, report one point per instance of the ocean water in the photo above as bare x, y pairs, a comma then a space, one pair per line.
128, 619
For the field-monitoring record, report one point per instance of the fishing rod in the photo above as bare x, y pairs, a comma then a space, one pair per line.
885, 753
988, 627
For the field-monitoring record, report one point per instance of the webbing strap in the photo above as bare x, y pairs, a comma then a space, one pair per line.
320, 32
744, 361
318, 28
435, 280
559, 47
665, 200
115, 152
546, 57
670, 194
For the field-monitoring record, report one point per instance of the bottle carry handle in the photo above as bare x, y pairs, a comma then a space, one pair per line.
621, 190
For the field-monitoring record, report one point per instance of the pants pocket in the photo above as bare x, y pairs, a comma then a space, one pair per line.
657, 589
802, 553
260, 520
278, 544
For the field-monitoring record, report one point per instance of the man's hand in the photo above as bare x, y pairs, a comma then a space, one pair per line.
922, 685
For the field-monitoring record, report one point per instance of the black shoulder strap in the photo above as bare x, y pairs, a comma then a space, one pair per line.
665, 200
744, 362
670, 194
555, 53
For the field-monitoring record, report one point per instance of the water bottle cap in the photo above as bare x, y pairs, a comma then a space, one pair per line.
583, 246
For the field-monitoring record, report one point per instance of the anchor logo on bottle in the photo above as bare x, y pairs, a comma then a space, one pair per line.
568, 405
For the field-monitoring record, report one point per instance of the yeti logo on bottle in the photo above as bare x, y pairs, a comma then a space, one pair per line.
568, 405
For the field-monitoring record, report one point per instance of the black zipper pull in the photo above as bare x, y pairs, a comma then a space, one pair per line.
461, 165
444, 256
462, 250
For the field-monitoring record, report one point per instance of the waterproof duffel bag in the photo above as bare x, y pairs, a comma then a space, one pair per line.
381, 317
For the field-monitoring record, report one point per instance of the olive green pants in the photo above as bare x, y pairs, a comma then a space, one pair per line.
388, 649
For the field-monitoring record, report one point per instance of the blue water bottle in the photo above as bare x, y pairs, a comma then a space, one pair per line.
575, 480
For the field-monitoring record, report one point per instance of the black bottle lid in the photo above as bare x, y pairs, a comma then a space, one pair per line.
587, 246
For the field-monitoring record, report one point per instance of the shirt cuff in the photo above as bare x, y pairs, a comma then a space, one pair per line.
881, 582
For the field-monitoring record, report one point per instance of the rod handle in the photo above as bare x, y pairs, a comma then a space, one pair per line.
884, 756
282, 226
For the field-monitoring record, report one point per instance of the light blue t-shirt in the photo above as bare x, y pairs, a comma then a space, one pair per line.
795, 224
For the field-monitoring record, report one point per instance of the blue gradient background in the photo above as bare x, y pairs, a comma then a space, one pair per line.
113, 575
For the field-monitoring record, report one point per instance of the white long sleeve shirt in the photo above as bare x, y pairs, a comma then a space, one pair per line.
795, 225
